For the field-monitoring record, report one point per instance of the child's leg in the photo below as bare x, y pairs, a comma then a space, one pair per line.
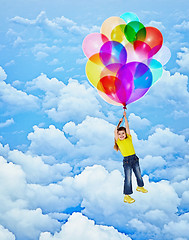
128, 177
137, 172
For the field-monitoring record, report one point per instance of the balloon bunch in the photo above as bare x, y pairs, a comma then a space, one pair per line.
125, 59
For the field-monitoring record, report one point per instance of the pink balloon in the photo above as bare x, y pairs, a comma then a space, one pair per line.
92, 43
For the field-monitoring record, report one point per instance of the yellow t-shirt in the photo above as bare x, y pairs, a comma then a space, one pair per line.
126, 146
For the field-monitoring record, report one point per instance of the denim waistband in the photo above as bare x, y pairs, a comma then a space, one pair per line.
130, 157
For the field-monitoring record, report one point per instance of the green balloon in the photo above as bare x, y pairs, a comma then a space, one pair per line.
131, 30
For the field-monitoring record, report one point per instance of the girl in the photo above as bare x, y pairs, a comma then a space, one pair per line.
123, 142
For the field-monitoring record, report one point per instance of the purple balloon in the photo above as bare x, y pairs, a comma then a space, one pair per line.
113, 52
126, 78
141, 79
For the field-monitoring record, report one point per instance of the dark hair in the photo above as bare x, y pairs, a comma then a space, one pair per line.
122, 129
115, 144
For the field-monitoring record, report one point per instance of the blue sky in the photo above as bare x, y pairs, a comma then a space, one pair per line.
59, 176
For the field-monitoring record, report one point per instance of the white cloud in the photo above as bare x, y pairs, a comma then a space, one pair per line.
7, 123
158, 25
45, 84
17, 100
185, 132
40, 55
18, 41
161, 143
180, 114
12, 62
17, 83
80, 227
42, 50
183, 59
98, 191
170, 90
90, 136
150, 163
54, 61
60, 25
36, 170
173, 173
74, 102
137, 123
177, 229
63, 103
50, 141
81, 60
59, 69
183, 26
3, 75
5, 234
4, 150
34, 223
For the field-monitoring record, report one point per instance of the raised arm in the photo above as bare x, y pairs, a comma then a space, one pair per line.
115, 131
126, 123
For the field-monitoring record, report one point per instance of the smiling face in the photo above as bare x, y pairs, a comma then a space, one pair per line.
121, 134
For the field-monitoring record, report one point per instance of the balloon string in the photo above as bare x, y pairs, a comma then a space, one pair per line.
124, 107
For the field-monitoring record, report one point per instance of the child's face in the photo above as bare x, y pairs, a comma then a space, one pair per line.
121, 135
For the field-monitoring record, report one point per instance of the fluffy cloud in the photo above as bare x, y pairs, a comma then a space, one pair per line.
177, 229
162, 142
15, 206
45, 84
79, 145
158, 25
36, 170
183, 59
34, 222
55, 25
23, 101
4, 150
5, 234
176, 170
42, 50
97, 191
80, 227
150, 163
90, 135
171, 90
183, 26
3, 75
138, 123
61, 102
51, 141
59, 69
7, 123
100, 194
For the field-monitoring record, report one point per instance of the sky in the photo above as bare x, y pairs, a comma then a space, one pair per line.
60, 178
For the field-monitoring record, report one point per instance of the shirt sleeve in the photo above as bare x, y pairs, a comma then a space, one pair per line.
129, 136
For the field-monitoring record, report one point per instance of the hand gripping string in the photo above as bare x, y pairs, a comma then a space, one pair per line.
124, 107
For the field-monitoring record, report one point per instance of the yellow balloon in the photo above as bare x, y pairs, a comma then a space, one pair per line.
93, 69
118, 35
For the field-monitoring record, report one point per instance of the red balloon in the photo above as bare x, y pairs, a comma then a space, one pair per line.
142, 49
153, 38
108, 85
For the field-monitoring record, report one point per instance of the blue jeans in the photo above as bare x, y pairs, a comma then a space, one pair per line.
131, 163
